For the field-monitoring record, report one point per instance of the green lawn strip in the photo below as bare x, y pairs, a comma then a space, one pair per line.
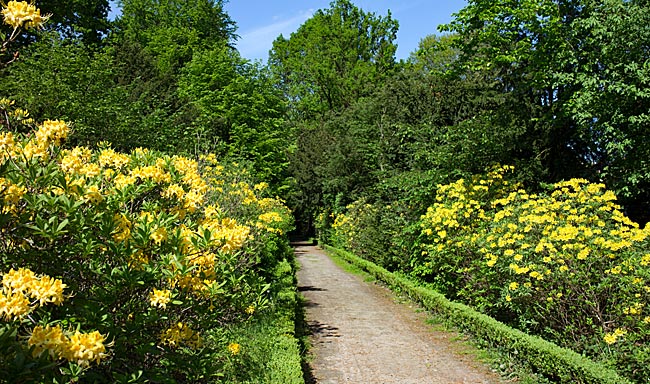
558, 364
270, 350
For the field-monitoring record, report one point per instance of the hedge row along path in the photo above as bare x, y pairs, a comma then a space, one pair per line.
360, 334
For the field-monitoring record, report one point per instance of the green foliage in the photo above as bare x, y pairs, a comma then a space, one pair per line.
171, 30
269, 352
86, 20
75, 83
558, 364
435, 54
581, 109
334, 58
155, 257
567, 265
238, 109
377, 232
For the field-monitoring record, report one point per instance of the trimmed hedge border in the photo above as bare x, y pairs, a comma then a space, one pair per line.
558, 364
285, 367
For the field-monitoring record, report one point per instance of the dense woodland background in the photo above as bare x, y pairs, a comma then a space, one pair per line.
557, 88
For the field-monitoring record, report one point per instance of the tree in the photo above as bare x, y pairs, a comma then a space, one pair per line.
83, 19
435, 53
171, 30
334, 58
559, 63
237, 109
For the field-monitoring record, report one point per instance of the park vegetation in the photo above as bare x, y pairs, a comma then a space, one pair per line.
150, 175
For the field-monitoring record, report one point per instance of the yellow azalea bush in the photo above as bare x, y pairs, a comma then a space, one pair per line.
566, 264
378, 232
115, 263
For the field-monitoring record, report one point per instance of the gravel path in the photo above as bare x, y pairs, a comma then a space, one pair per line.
361, 335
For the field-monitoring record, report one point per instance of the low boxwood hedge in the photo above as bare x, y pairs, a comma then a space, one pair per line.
558, 364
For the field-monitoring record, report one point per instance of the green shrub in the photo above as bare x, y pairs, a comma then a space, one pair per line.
124, 266
566, 265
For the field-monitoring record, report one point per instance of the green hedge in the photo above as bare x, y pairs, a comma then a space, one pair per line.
270, 351
558, 364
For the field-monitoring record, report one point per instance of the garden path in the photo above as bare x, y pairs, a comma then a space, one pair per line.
360, 333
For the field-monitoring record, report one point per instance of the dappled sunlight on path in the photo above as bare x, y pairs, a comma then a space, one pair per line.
360, 334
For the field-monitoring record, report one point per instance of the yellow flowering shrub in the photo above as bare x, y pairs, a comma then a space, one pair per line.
21, 14
378, 232
113, 263
566, 264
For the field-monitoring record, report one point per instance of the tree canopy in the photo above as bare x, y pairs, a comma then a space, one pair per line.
334, 58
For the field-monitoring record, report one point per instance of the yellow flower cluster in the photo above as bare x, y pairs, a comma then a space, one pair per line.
268, 220
461, 205
234, 349
22, 14
11, 194
81, 348
541, 248
160, 297
51, 132
611, 338
230, 235
175, 219
18, 287
181, 335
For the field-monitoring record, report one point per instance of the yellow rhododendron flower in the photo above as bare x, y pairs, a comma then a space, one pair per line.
234, 348
181, 334
159, 235
13, 305
610, 338
93, 195
83, 348
47, 290
50, 339
160, 297
22, 14
52, 132
20, 280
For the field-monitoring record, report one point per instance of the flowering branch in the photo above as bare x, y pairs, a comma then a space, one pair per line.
19, 15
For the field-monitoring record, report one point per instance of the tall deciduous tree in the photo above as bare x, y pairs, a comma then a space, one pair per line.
85, 19
576, 76
237, 110
171, 30
334, 58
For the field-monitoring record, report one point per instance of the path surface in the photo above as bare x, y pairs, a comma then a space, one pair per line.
361, 335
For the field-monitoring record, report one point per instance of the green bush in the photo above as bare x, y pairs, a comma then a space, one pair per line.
127, 267
566, 264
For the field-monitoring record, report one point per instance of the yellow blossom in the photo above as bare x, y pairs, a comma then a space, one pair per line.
52, 132
49, 339
160, 297
179, 335
22, 14
610, 338
159, 235
13, 305
234, 348
83, 348
47, 290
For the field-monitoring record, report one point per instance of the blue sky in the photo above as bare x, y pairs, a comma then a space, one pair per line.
259, 22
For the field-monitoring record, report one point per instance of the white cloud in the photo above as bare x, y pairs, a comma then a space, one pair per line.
256, 43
